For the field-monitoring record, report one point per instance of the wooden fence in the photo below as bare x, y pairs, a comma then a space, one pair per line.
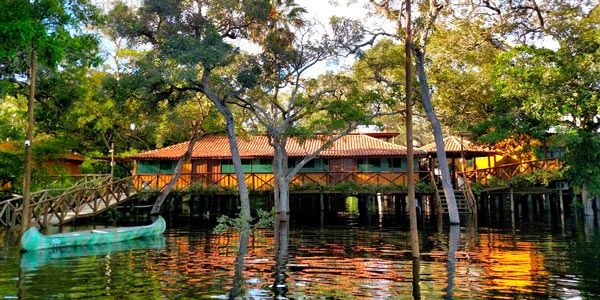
508, 171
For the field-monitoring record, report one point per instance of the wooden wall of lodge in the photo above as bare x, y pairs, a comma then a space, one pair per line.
210, 176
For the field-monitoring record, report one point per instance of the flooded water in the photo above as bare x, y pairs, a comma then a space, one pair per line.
348, 254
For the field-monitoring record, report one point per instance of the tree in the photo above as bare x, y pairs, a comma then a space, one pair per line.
423, 26
287, 103
538, 90
197, 40
44, 31
270, 84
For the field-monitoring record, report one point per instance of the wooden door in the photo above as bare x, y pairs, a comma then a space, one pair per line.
213, 170
336, 166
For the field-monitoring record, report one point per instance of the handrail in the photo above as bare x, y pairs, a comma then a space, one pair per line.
56, 201
556, 159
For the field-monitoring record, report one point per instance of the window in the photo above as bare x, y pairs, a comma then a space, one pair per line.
395, 164
147, 167
369, 164
314, 165
262, 166
374, 163
362, 164
167, 166
227, 166
156, 166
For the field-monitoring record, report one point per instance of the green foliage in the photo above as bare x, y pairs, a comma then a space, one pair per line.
11, 170
12, 117
225, 223
49, 27
264, 219
582, 160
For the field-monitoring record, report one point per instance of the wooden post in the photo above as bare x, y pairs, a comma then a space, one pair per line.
322, 201
561, 202
512, 206
112, 162
529, 207
28, 141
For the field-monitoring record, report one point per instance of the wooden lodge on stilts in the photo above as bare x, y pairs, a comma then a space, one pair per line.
358, 159
359, 163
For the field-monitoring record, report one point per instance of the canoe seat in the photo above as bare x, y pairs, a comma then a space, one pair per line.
98, 231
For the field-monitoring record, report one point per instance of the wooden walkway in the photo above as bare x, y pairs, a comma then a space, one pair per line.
56, 207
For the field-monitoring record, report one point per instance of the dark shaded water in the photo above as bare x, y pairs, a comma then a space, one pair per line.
344, 255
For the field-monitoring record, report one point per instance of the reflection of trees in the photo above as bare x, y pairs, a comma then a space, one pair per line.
282, 230
238, 278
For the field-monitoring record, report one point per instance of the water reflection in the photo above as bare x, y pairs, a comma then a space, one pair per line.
453, 238
337, 257
32, 260
281, 256
238, 279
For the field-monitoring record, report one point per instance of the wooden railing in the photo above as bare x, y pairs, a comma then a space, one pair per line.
265, 182
508, 171
50, 207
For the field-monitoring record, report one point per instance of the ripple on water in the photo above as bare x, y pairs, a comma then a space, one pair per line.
342, 262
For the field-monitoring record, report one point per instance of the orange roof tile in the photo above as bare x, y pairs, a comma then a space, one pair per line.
453, 144
217, 147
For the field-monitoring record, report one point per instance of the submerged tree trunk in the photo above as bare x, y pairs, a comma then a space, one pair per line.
176, 173
439, 138
28, 142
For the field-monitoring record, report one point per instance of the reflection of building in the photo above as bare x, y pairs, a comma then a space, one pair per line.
356, 158
511, 267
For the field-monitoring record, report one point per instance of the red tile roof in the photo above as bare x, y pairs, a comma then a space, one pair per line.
217, 147
455, 145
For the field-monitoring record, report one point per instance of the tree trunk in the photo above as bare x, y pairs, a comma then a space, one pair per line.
165, 192
277, 177
28, 142
233, 145
237, 165
412, 201
439, 138
282, 183
587, 201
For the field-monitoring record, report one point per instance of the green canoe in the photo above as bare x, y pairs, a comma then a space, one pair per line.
33, 240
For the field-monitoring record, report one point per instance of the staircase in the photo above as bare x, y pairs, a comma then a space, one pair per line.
461, 202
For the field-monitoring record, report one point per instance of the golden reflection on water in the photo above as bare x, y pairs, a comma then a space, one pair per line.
516, 266
339, 263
